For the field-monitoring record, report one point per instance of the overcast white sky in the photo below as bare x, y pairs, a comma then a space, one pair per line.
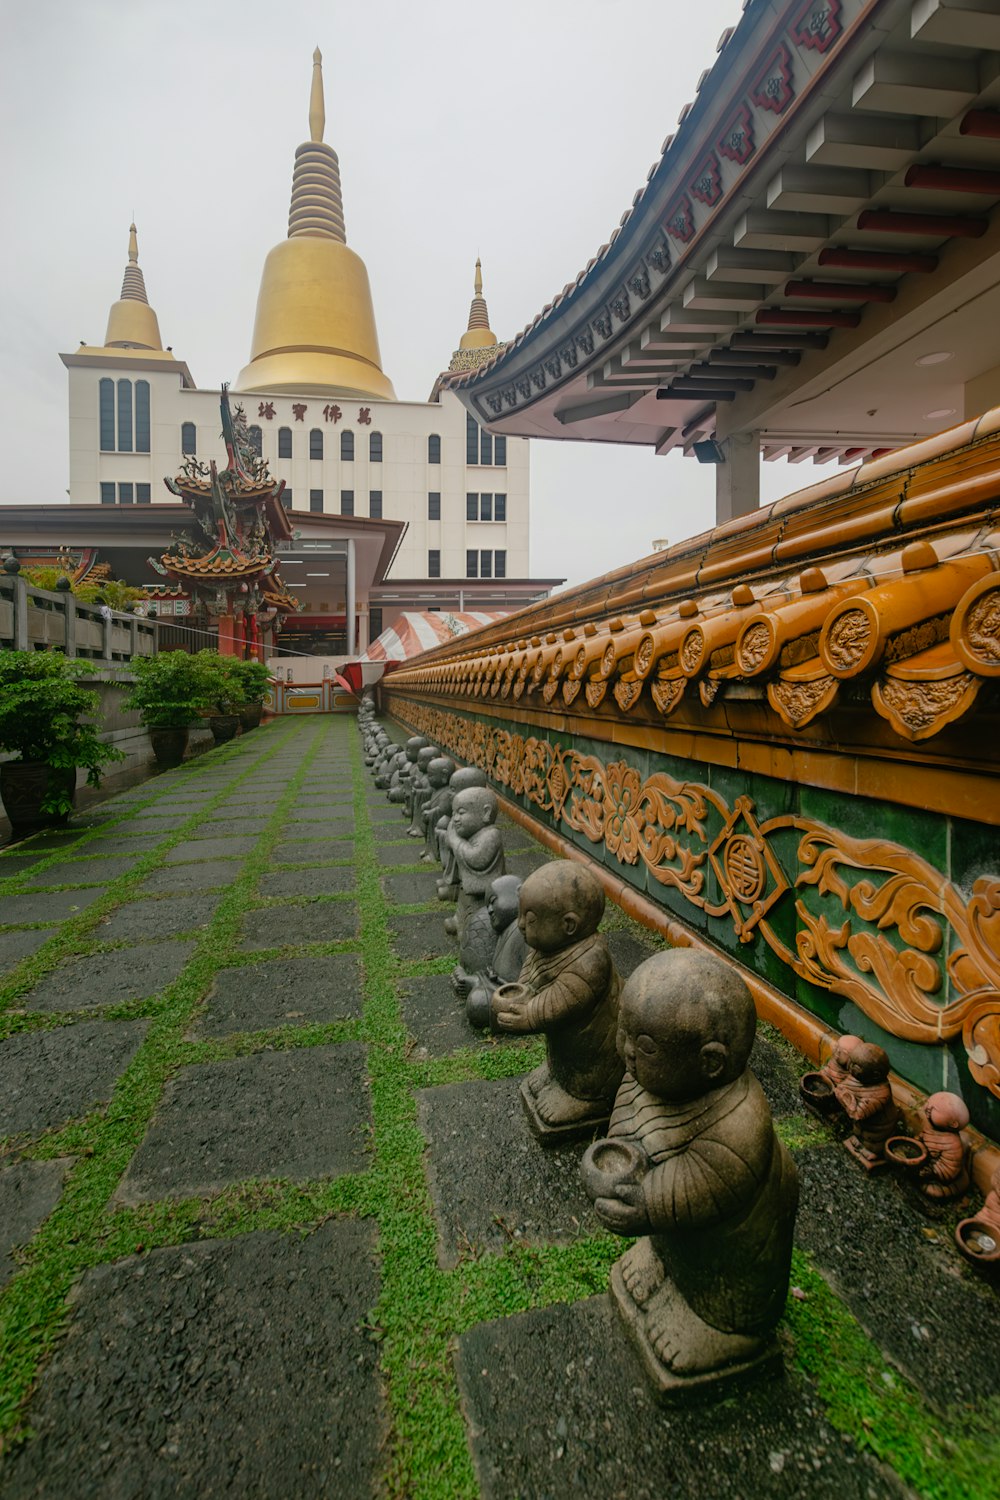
519, 132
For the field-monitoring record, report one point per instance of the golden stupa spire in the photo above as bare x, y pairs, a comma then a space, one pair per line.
314, 332
317, 204
479, 334
132, 322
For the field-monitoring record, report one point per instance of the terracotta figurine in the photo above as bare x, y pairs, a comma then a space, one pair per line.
692, 1164
478, 849
944, 1174
866, 1099
818, 1089
477, 977
568, 990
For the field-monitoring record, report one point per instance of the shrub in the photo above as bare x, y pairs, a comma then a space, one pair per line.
41, 705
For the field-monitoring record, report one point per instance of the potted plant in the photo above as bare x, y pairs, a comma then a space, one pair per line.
255, 680
170, 690
225, 694
41, 705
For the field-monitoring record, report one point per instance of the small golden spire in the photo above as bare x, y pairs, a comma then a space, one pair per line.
132, 322
478, 334
317, 109
133, 245
133, 285
479, 276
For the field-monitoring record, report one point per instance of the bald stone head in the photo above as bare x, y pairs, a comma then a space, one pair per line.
561, 903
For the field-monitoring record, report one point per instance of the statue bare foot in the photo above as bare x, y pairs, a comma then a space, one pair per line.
687, 1345
554, 1105
641, 1271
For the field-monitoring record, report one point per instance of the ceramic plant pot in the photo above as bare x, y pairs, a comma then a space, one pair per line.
24, 785
224, 727
168, 746
251, 715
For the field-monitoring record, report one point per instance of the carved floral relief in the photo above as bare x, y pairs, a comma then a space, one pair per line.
873, 920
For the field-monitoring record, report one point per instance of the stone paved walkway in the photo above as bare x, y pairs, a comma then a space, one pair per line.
271, 1223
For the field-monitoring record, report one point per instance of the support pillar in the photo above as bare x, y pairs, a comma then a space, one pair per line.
227, 644
352, 603
737, 478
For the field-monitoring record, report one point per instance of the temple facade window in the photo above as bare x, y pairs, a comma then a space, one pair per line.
434, 505
347, 446
316, 500
189, 438
316, 443
347, 502
142, 416
284, 442
375, 447
124, 416
375, 504
434, 449
434, 563
107, 415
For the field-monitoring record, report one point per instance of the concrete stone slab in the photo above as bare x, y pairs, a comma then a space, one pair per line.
158, 918
235, 824
315, 922
317, 880
46, 906
109, 978
192, 849
324, 828
557, 1404
399, 853
313, 851
85, 871
407, 889
209, 875
422, 935
120, 840
50, 1077
283, 992
52, 840
13, 865
901, 1276
15, 946
436, 1019
236, 1367
29, 1191
301, 1114
490, 1179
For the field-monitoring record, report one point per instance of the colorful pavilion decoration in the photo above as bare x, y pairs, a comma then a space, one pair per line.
229, 568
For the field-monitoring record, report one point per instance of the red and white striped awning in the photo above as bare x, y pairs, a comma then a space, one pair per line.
420, 631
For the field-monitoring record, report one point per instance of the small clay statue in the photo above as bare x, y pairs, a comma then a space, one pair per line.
478, 850
567, 989
385, 768
692, 1164
462, 780
478, 975
399, 784
866, 1099
419, 787
818, 1090
436, 804
944, 1174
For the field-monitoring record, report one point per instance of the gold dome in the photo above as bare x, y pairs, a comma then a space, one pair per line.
314, 333
132, 322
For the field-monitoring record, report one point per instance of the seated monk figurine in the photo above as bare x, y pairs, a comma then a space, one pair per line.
478, 850
569, 991
866, 1099
400, 782
834, 1070
419, 787
692, 1164
476, 983
461, 781
392, 760
945, 1173
437, 802
818, 1090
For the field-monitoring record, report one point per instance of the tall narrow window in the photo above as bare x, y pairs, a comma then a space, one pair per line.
347, 446
472, 564
316, 443
189, 438
485, 448
374, 623
500, 564
434, 563
284, 442
315, 499
107, 394
471, 439
375, 504
500, 452
107, 490
257, 440
434, 505
486, 507
499, 507
124, 416
142, 416
124, 494
375, 447
286, 499
433, 449
347, 502
472, 507
142, 494
486, 564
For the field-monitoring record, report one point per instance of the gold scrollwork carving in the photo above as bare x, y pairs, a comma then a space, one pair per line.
917, 709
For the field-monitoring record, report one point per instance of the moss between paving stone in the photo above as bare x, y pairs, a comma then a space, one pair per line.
421, 1308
